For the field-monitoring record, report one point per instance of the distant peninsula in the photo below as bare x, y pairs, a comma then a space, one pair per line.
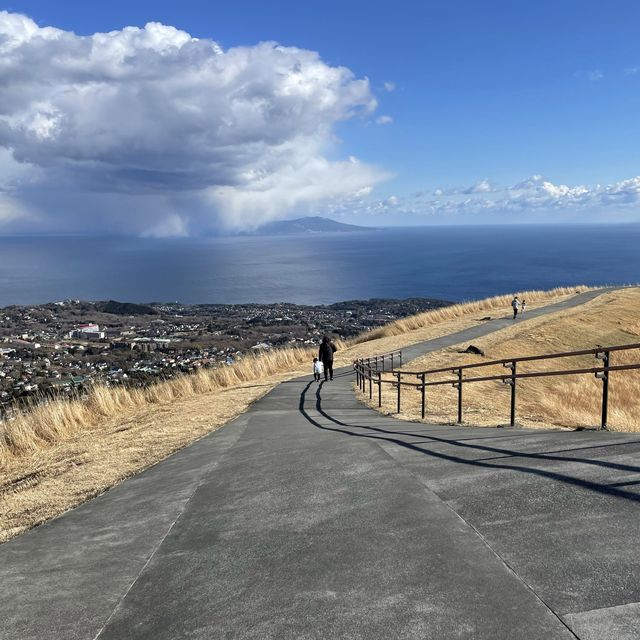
308, 225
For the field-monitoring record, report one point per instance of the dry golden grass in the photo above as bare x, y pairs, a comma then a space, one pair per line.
444, 321
58, 420
59, 455
464, 309
568, 401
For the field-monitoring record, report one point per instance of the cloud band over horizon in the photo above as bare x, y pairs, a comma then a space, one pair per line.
535, 197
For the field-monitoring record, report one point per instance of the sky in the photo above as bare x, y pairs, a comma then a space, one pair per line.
179, 119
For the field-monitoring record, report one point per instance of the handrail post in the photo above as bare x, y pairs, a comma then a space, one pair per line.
370, 385
400, 354
399, 388
606, 358
379, 389
392, 361
512, 383
423, 392
459, 396
512, 419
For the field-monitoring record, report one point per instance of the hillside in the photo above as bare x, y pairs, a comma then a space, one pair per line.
125, 308
57, 456
308, 225
570, 401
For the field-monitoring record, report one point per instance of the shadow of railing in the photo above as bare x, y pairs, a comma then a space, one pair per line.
395, 437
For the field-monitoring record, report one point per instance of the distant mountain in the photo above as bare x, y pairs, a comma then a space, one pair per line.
314, 224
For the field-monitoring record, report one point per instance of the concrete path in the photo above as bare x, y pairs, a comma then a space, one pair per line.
311, 516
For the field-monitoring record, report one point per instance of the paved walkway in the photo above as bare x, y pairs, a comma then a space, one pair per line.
311, 516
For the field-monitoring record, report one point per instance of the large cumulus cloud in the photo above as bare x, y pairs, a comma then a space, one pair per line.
153, 131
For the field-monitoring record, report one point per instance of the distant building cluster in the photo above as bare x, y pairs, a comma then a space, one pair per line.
64, 347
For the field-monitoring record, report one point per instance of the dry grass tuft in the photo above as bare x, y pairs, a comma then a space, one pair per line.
58, 420
568, 401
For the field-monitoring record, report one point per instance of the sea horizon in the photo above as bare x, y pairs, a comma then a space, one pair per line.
242, 234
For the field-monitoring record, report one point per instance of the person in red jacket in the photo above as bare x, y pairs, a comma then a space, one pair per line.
325, 355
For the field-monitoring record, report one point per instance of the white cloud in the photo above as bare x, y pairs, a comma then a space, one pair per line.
626, 192
528, 199
180, 133
384, 120
11, 171
296, 187
483, 186
630, 71
529, 183
11, 209
593, 75
390, 87
171, 226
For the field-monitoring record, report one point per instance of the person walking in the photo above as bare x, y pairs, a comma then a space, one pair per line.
515, 305
523, 306
325, 355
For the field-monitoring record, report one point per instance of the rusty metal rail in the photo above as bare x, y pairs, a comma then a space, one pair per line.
369, 370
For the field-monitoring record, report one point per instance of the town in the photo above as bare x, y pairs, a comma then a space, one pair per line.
64, 347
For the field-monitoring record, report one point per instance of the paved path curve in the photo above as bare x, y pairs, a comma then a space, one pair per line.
311, 516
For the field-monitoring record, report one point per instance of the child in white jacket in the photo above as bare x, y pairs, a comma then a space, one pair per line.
318, 369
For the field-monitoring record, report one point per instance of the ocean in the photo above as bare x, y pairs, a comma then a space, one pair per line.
450, 263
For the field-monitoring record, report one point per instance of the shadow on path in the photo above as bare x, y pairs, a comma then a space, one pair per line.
376, 433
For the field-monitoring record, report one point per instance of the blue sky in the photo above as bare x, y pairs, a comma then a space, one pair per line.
494, 91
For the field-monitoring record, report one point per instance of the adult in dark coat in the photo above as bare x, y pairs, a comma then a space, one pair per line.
325, 354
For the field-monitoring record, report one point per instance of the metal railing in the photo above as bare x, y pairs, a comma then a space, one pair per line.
369, 370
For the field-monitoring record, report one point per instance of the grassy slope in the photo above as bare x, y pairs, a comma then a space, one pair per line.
60, 455
569, 401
